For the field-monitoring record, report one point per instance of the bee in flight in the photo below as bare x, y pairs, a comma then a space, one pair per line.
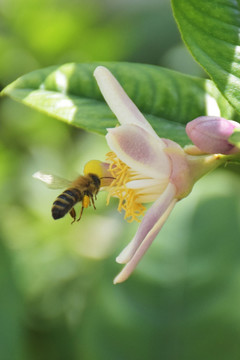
84, 189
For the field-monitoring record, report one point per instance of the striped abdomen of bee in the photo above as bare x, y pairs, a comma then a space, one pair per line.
65, 202
84, 189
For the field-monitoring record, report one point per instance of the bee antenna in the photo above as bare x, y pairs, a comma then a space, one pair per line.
107, 177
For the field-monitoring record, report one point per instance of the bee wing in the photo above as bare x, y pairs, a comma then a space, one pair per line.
52, 181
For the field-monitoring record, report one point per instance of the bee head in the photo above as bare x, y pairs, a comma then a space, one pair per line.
95, 180
99, 170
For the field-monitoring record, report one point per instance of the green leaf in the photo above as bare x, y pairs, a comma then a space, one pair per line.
168, 99
210, 30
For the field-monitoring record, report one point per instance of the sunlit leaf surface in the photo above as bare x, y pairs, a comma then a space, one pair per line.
210, 29
168, 99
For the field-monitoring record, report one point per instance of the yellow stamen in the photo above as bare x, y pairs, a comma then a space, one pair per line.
128, 198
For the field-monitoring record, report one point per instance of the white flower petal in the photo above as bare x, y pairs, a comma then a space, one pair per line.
118, 101
151, 194
147, 198
149, 222
141, 151
130, 266
143, 183
152, 187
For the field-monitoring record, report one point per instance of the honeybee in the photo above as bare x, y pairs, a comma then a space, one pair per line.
84, 189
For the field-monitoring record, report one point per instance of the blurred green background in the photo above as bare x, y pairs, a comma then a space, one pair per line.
57, 300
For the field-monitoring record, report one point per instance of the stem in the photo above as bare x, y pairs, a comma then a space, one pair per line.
201, 165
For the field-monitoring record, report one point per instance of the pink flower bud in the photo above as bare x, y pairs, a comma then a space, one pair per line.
210, 134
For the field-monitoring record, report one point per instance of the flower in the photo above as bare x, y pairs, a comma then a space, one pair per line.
211, 133
145, 168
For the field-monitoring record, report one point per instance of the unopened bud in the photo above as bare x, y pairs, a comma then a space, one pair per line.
210, 134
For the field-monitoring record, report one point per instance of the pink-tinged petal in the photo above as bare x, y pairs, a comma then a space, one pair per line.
210, 134
141, 151
181, 175
118, 101
131, 265
151, 218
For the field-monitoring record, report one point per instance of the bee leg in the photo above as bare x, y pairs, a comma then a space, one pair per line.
72, 212
95, 197
81, 212
91, 201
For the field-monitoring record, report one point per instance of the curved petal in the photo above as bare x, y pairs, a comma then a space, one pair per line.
130, 266
151, 218
143, 183
148, 187
118, 101
139, 150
